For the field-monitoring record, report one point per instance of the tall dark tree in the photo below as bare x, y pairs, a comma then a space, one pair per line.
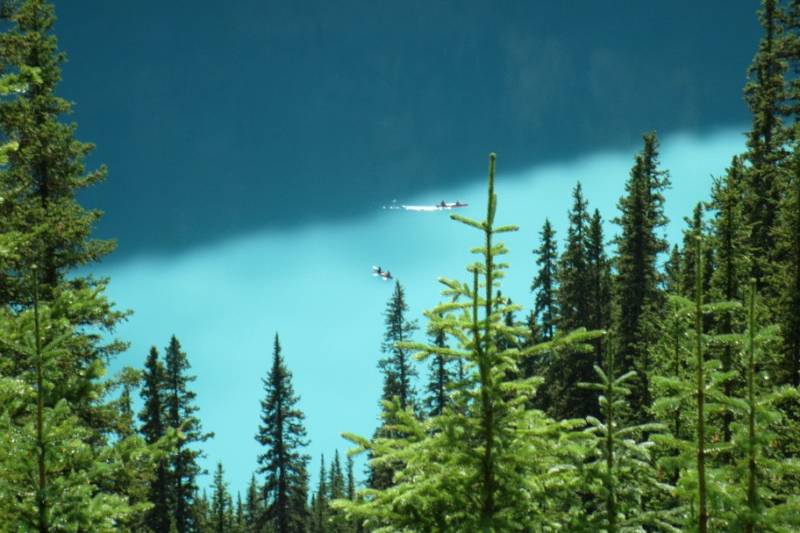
319, 503
545, 306
253, 506
696, 228
181, 412
440, 376
397, 367
568, 368
221, 503
639, 300
283, 436
729, 240
153, 428
573, 267
787, 277
338, 522
672, 271
765, 93
599, 276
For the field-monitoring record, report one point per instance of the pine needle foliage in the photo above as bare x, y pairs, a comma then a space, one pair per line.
282, 462
621, 471
691, 387
488, 463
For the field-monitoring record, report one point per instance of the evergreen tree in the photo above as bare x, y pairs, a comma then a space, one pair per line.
397, 367
787, 277
42, 227
398, 371
729, 240
765, 94
153, 429
319, 507
573, 267
253, 508
672, 271
440, 377
221, 503
489, 464
50, 472
578, 284
282, 435
628, 481
599, 278
337, 523
761, 505
696, 228
180, 409
637, 281
544, 284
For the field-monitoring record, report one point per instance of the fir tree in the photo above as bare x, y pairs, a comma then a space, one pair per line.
544, 284
282, 435
440, 377
397, 367
42, 224
623, 465
337, 523
180, 411
578, 284
221, 503
486, 464
253, 507
319, 506
672, 271
696, 228
729, 240
153, 429
637, 281
787, 277
765, 93
573, 268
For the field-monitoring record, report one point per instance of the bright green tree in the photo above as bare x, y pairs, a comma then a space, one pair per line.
489, 464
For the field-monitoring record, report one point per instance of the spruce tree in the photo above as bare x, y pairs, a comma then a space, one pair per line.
573, 267
253, 508
787, 277
696, 228
545, 306
672, 271
488, 464
337, 522
729, 240
180, 411
43, 225
319, 505
620, 461
153, 428
221, 503
50, 473
637, 282
440, 378
765, 93
282, 435
579, 282
398, 371
397, 367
